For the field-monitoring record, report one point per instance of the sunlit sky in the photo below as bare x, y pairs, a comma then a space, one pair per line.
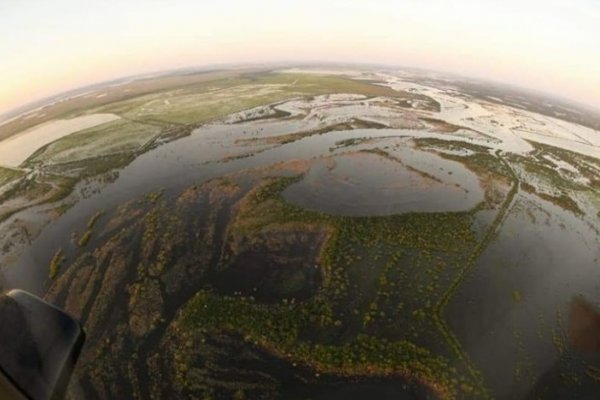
51, 46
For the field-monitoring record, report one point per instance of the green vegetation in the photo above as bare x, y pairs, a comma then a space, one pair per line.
92, 222
382, 285
561, 181
367, 264
81, 105
564, 201
423, 103
483, 164
546, 174
29, 189
588, 167
313, 84
365, 355
378, 310
92, 167
517, 296
154, 112
358, 123
292, 137
8, 175
216, 99
467, 266
151, 116
153, 197
47, 188
441, 126
56, 263
493, 170
63, 208
240, 156
529, 188
350, 142
382, 153
87, 235
271, 113
120, 136
85, 238
455, 145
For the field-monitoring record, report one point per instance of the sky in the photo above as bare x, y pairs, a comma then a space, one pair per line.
47, 47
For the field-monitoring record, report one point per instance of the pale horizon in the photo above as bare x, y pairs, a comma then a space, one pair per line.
48, 49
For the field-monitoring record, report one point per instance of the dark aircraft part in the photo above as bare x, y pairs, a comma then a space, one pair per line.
39, 345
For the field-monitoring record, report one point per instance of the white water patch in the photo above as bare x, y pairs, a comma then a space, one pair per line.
306, 107
16, 149
479, 116
512, 126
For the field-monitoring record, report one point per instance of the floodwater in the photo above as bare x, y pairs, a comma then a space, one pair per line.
16, 149
367, 184
513, 127
546, 257
513, 308
199, 157
193, 160
298, 383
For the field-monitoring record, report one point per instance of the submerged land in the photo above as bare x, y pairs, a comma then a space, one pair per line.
300, 234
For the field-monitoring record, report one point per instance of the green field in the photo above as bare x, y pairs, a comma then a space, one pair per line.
8, 175
172, 113
215, 99
120, 136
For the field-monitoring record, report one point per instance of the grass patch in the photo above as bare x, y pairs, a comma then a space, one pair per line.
216, 99
80, 105
56, 263
587, 166
31, 192
120, 136
564, 201
91, 167
455, 145
85, 238
364, 356
292, 137
350, 142
8, 175
441, 125
94, 219
482, 164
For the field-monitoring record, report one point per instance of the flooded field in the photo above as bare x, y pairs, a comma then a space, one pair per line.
326, 238
514, 308
367, 184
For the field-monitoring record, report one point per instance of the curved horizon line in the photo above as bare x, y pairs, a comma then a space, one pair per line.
71, 93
